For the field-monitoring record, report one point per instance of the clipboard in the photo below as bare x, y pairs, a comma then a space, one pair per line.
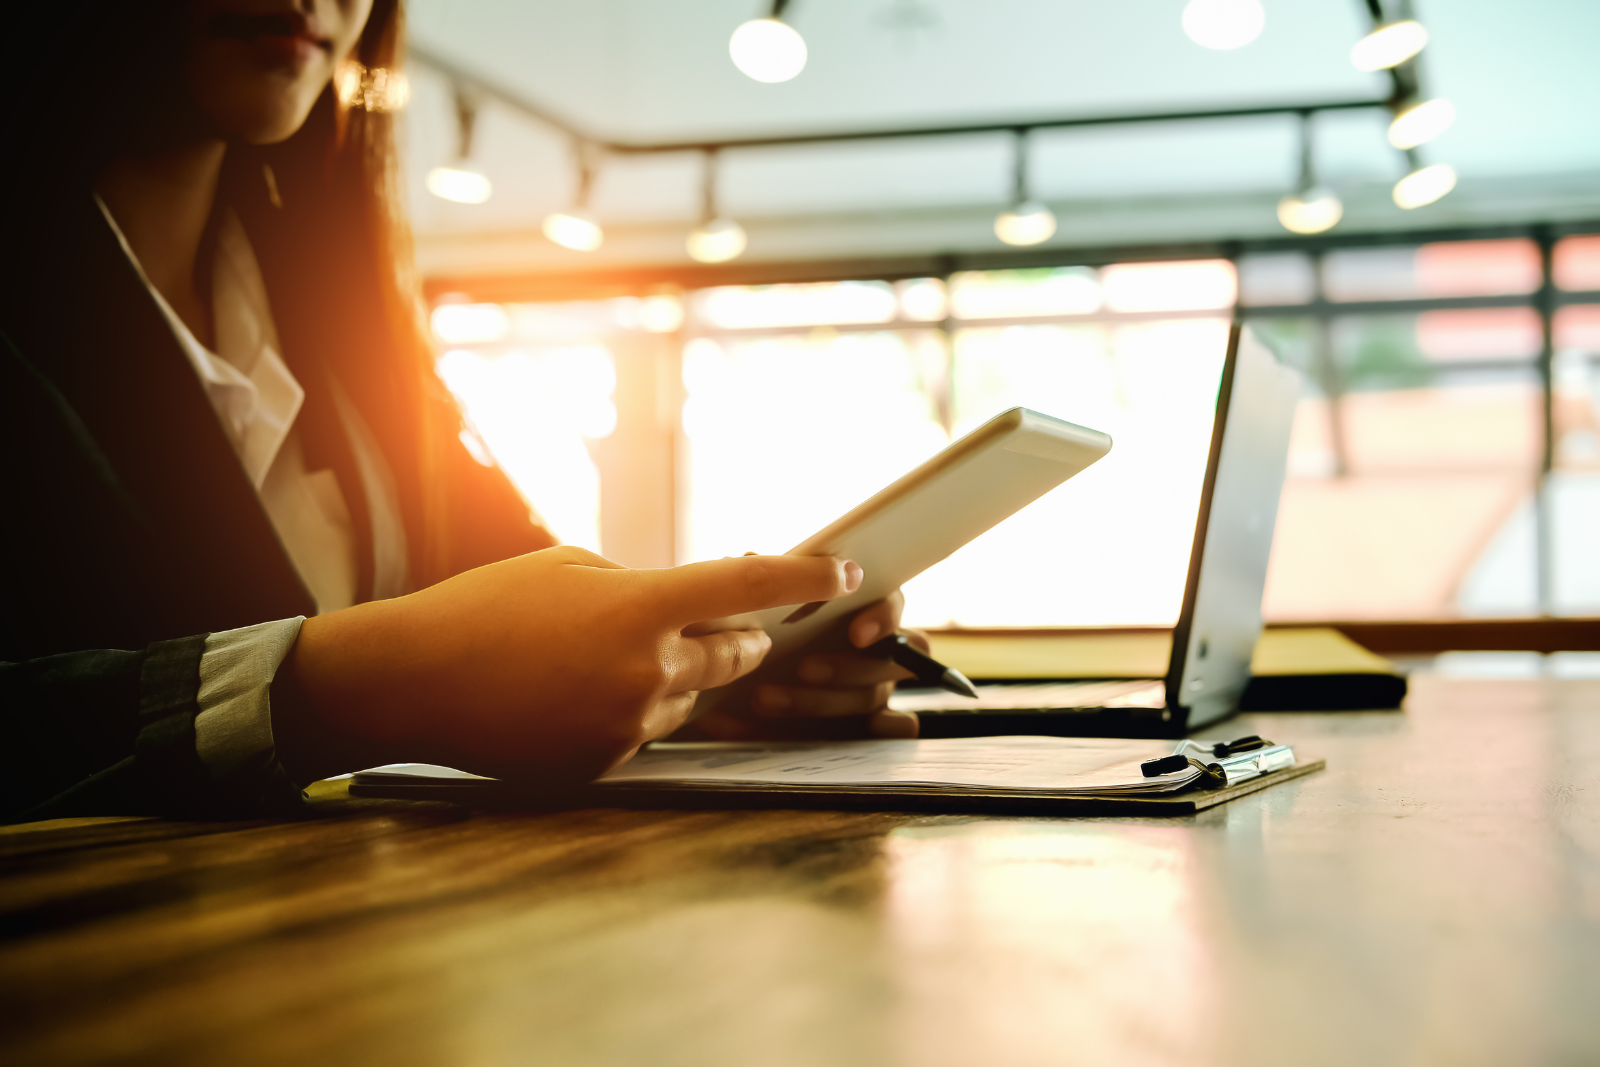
1112, 787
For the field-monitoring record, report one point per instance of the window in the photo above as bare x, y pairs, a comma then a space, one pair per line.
791, 419
1428, 475
536, 384
1419, 485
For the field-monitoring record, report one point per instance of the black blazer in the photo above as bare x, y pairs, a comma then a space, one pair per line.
127, 523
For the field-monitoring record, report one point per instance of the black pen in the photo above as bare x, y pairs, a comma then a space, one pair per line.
927, 670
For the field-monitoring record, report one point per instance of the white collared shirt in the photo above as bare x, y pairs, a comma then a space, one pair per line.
257, 400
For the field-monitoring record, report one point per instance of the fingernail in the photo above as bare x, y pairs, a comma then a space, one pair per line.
815, 671
866, 633
852, 575
771, 698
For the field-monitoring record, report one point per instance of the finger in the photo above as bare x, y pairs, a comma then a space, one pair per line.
899, 725
711, 660
791, 701
665, 716
875, 620
843, 669
750, 583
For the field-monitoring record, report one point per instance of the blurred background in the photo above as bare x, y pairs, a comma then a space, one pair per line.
706, 274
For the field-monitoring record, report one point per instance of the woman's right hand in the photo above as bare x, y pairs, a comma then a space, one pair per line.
559, 663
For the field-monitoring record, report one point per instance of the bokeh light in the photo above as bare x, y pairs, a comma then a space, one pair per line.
768, 50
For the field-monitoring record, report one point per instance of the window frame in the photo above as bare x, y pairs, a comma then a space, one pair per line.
1542, 632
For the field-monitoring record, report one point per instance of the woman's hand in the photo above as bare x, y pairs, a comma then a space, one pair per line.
839, 684
557, 662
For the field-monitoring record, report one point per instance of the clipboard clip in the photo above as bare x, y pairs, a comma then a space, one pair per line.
1223, 763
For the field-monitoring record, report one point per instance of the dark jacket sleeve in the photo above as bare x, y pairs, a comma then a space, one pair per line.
111, 732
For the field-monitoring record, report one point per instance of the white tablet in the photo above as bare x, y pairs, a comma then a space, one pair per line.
990, 474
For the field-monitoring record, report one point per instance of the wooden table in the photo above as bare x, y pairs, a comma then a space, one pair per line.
1432, 898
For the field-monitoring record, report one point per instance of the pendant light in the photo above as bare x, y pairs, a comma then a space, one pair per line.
1026, 221
768, 50
462, 182
1423, 185
1223, 25
576, 228
716, 239
1311, 208
1389, 45
1417, 122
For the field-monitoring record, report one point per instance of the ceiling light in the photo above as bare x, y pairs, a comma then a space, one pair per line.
1311, 211
1026, 221
459, 184
716, 239
1424, 185
1025, 224
1223, 24
575, 229
1421, 122
769, 49
1311, 208
1389, 45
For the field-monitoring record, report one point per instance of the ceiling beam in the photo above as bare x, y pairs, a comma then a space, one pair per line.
539, 113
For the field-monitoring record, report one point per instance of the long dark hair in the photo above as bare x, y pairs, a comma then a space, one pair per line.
87, 82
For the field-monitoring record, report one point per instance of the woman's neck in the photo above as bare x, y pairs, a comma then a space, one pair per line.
162, 205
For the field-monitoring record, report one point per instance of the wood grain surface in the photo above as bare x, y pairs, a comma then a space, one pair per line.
1433, 897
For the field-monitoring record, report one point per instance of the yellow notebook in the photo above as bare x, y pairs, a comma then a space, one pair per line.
1293, 669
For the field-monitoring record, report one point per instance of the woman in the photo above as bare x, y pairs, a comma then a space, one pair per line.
245, 544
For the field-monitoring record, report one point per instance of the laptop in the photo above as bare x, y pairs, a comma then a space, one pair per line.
1221, 618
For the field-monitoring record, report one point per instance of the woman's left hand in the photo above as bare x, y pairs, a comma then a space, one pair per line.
837, 685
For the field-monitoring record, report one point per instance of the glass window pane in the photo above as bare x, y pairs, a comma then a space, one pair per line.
1490, 424
1015, 294
785, 434
536, 409
1573, 502
743, 307
1276, 279
1576, 263
1370, 274
1396, 351
1577, 326
1433, 518
467, 324
1189, 285
922, 299
573, 322
1111, 546
1573, 490
1441, 269
1478, 268
1480, 333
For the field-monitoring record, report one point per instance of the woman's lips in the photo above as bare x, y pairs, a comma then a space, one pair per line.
279, 40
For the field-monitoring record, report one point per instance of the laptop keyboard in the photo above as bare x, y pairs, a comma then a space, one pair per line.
1035, 696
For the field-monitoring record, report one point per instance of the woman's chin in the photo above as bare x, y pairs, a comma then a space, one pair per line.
255, 104
259, 119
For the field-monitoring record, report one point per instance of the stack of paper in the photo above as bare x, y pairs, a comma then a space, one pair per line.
1002, 766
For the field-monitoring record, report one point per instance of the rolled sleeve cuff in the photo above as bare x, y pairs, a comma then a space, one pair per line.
233, 729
